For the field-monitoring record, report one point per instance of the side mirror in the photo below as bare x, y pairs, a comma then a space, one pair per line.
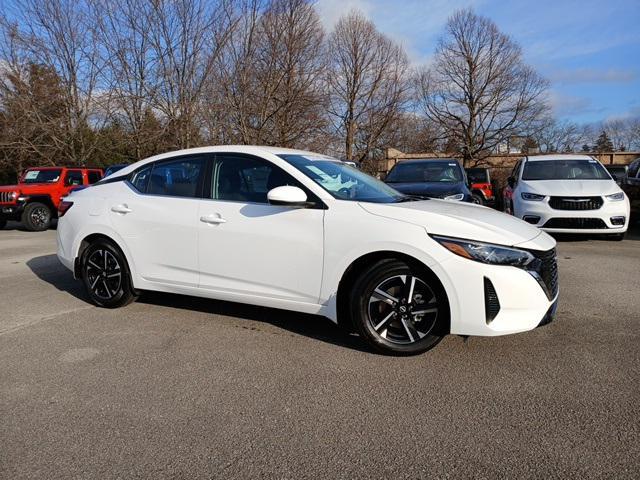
287, 196
511, 182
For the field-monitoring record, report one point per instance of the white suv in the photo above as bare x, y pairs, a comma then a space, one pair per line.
568, 194
301, 231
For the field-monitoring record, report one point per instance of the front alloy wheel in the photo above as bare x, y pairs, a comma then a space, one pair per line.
402, 309
398, 309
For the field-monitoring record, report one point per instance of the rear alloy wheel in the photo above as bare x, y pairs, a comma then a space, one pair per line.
36, 217
477, 199
396, 309
106, 275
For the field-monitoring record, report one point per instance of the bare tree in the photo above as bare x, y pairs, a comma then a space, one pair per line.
186, 37
129, 70
367, 84
623, 132
554, 136
478, 89
270, 75
58, 34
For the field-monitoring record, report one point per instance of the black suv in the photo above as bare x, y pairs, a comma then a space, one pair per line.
430, 178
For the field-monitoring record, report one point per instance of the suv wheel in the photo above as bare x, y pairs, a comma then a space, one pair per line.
477, 199
36, 217
106, 276
396, 309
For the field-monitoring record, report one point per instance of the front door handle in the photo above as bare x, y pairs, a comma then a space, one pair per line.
213, 219
123, 208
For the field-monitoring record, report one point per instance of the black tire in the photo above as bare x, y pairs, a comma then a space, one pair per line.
477, 199
36, 217
397, 329
106, 276
3, 223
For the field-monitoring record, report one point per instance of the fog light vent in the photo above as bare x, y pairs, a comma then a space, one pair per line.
491, 302
532, 219
617, 220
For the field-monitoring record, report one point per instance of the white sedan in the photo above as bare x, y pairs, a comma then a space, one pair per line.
273, 227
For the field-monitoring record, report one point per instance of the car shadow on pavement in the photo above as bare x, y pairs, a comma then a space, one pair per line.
312, 326
48, 269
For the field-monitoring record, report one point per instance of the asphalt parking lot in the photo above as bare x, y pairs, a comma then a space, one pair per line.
176, 387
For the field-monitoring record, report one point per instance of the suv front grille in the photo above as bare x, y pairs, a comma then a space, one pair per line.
577, 223
575, 203
5, 197
545, 270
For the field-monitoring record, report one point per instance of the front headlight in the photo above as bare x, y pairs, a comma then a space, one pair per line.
457, 197
616, 197
532, 196
485, 252
12, 196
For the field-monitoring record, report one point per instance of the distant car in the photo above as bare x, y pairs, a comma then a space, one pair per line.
481, 187
36, 199
631, 186
114, 168
618, 172
567, 194
430, 178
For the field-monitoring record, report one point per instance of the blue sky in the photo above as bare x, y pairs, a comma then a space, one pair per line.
589, 49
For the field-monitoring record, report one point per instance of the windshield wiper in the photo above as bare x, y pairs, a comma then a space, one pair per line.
409, 198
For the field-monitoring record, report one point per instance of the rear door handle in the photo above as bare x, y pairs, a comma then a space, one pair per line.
122, 208
213, 219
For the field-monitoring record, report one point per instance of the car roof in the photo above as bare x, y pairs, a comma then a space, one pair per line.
426, 160
559, 156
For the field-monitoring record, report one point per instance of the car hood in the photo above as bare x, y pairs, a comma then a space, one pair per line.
429, 188
464, 220
25, 188
574, 188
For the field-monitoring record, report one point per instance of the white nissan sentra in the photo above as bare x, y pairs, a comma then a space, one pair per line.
300, 231
568, 194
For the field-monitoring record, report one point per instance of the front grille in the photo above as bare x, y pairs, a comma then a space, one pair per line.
491, 302
545, 269
575, 203
5, 197
576, 223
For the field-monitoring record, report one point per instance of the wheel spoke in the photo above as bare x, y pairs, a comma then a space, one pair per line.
114, 275
384, 321
384, 297
91, 262
426, 310
106, 287
414, 335
410, 284
93, 285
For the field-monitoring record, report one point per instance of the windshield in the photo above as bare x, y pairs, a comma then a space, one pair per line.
41, 176
478, 175
564, 170
428, 171
342, 181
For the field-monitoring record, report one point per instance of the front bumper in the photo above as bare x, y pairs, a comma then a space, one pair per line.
597, 221
523, 301
12, 211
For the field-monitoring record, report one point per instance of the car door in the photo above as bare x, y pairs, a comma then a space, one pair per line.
157, 216
249, 247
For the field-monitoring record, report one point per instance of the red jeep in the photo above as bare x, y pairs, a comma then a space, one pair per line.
34, 200
480, 186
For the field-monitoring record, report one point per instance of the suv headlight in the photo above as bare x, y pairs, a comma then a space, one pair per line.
13, 196
485, 252
532, 196
616, 197
457, 197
